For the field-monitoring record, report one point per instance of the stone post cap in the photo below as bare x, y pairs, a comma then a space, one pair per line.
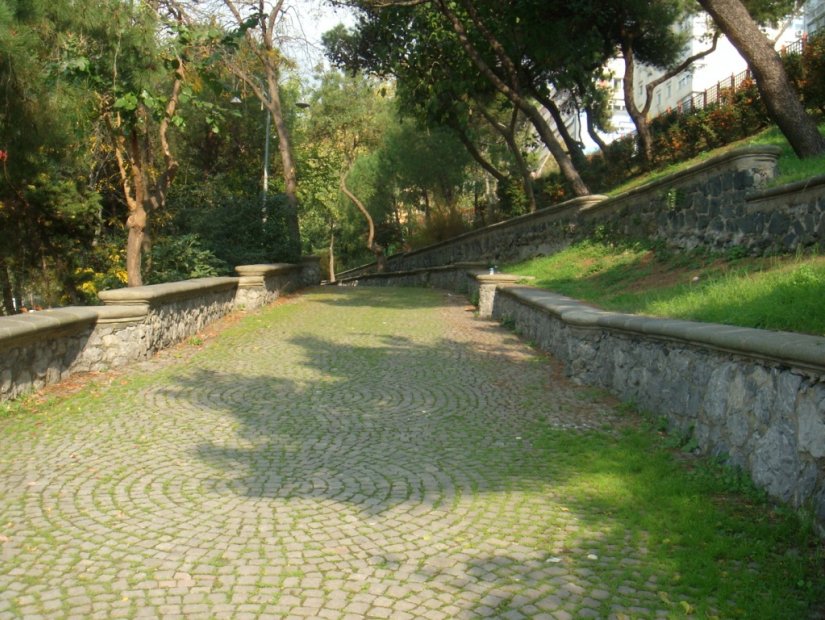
501, 278
153, 293
264, 269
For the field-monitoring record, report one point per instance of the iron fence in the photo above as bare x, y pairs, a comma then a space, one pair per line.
721, 92
724, 90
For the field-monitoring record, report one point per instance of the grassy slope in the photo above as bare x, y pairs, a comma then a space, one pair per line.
780, 293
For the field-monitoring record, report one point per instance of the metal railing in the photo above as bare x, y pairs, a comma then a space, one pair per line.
721, 92
724, 90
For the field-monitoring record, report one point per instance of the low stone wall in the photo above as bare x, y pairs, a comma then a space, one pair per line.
754, 397
40, 348
172, 311
457, 277
719, 204
259, 285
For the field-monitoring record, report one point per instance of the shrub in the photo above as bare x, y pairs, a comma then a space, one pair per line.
236, 227
813, 72
441, 225
678, 136
180, 258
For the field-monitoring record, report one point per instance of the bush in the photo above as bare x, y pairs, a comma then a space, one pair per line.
181, 258
441, 225
235, 227
677, 136
813, 72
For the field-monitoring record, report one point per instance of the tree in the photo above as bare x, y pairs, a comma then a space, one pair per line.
508, 132
779, 95
48, 206
646, 32
138, 115
348, 117
482, 47
436, 94
258, 23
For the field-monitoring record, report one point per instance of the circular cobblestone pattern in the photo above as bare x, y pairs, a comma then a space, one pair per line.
345, 454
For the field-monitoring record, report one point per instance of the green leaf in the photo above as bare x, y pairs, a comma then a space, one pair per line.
127, 102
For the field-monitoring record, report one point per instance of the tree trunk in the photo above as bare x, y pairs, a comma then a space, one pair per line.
288, 161
573, 146
478, 157
426, 196
136, 225
509, 135
776, 89
374, 247
591, 130
331, 263
5, 285
639, 117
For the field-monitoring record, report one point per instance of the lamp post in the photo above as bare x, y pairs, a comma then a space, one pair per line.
265, 181
267, 137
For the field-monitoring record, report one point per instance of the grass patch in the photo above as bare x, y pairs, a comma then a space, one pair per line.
717, 546
778, 293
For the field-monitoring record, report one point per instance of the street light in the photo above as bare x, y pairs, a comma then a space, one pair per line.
265, 180
267, 138
266, 159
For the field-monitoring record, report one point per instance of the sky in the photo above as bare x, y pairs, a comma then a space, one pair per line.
309, 19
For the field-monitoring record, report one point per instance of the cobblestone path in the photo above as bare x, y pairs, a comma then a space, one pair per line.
346, 454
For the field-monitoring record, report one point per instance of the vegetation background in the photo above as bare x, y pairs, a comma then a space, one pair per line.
133, 134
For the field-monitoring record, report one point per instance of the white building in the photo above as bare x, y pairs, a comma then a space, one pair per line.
715, 69
814, 17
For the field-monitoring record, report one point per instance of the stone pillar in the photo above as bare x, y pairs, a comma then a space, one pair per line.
487, 285
261, 284
310, 270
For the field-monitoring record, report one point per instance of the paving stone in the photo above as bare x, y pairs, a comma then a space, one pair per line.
349, 453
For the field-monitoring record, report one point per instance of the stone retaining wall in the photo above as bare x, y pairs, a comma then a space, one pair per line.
40, 348
456, 277
754, 397
720, 204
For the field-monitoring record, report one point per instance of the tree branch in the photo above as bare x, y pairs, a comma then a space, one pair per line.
687, 62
